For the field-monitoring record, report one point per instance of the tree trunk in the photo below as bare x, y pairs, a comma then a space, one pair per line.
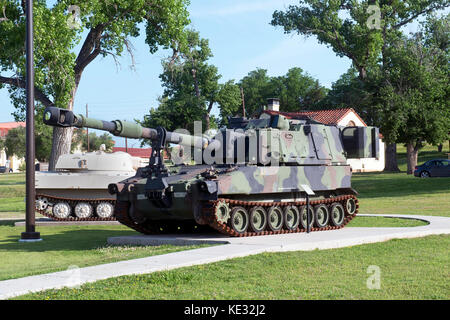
62, 137
62, 140
207, 121
440, 147
391, 158
411, 157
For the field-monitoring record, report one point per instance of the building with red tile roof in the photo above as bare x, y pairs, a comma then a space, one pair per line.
6, 126
135, 152
331, 117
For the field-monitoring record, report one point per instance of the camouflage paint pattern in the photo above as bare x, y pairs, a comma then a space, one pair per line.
257, 180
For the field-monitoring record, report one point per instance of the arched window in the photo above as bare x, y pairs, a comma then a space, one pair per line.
351, 123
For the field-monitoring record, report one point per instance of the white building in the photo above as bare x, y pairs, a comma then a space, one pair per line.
11, 162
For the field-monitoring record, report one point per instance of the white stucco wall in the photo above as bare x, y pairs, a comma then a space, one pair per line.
14, 162
351, 117
2, 158
367, 164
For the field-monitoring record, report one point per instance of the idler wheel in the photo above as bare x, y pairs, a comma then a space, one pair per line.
321, 215
350, 205
83, 210
239, 220
41, 203
291, 217
303, 217
258, 219
61, 210
104, 210
337, 214
275, 218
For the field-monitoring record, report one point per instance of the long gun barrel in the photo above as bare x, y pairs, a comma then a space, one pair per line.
65, 118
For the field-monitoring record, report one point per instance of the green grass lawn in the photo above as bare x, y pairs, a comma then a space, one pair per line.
12, 192
409, 269
381, 222
398, 193
65, 246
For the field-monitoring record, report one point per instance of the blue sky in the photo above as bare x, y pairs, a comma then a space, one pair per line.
241, 40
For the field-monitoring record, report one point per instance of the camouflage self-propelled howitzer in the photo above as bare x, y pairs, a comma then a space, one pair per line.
249, 179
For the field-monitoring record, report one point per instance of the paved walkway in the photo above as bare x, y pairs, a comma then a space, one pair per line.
232, 248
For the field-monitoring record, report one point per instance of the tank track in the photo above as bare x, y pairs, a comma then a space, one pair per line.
208, 211
224, 228
156, 226
72, 202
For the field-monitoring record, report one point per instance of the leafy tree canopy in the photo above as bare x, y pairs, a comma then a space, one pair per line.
296, 90
357, 30
192, 89
15, 142
103, 28
80, 139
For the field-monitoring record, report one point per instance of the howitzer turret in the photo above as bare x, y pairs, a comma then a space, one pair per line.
252, 178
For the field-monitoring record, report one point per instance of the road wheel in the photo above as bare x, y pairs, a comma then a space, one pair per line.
337, 214
275, 218
321, 215
350, 205
239, 220
258, 219
83, 210
61, 210
105, 210
291, 217
303, 217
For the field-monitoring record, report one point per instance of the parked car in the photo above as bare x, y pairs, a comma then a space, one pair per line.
4, 169
433, 168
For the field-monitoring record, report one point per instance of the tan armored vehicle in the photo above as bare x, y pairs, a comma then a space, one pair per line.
79, 186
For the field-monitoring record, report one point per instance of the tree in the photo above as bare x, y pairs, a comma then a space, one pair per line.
257, 89
80, 137
230, 101
417, 92
358, 30
172, 114
108, 25
189, 80
15, 142
43, 140
192, 88
296, 90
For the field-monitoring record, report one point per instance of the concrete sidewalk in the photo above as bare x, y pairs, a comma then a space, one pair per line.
232, 248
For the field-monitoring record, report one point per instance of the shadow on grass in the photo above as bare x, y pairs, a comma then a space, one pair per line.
381, 184
65, 240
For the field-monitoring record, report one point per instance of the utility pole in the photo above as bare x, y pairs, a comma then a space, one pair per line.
243, 102
30, 235
87, 129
